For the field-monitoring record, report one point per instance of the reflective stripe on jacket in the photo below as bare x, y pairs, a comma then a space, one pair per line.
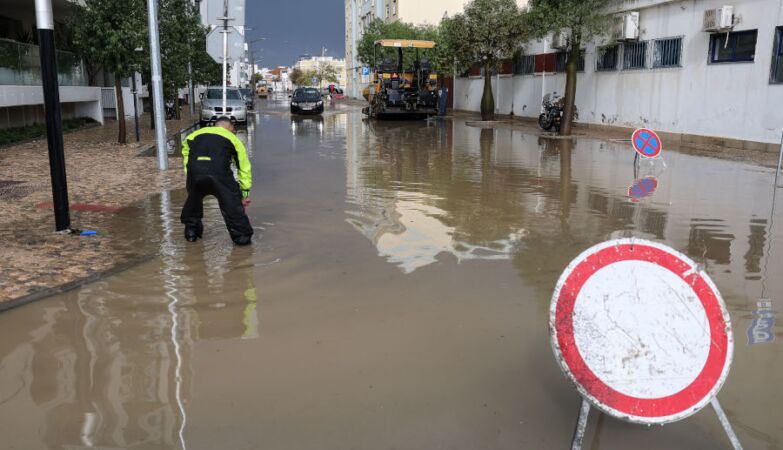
211, 150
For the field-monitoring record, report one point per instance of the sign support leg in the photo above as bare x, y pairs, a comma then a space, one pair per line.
581, 425
225, 55
724, 421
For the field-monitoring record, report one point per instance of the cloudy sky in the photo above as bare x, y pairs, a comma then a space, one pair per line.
295, 27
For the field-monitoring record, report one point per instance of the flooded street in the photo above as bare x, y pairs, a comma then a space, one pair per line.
396, 296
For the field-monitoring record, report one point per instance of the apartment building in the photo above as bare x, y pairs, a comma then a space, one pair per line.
315, 62
706, 70
21, 96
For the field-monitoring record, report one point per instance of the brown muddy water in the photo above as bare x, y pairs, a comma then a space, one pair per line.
396, 297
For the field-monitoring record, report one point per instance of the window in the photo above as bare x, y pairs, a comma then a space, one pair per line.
561, 61
607, 58
777, 58
523, 64
734, 47
667, 52
634, 55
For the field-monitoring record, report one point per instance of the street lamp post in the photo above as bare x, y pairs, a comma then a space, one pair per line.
44, 19
157, 87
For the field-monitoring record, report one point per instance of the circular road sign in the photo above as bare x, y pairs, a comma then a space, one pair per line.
642, 188
641, 332
646, 142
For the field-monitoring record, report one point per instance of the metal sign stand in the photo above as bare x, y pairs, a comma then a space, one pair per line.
584, 412
225, 32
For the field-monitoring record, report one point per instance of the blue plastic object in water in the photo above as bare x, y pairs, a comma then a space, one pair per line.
89, 233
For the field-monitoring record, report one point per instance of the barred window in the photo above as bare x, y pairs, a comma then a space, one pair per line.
667, 52
561, 62
634, 55
738, 46
607, 58
523, 64
777, 57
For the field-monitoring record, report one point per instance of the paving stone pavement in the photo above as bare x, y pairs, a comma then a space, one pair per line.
99, 172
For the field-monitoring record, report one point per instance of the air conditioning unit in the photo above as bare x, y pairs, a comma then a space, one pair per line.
720, 19
626, 27
560, 40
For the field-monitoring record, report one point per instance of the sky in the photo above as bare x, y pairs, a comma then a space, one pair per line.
295, 27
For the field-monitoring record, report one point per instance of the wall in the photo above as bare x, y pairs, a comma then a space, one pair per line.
23, 105
430, 11
724, 100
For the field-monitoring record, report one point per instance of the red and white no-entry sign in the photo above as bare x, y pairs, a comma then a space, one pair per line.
642, 333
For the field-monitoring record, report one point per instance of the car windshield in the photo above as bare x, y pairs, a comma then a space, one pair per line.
307, 95
217, 94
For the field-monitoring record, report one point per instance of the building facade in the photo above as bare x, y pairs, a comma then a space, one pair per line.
314, 63
672, 75
21, 96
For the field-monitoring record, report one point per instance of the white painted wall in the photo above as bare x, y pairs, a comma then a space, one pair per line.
724, 100
87, 99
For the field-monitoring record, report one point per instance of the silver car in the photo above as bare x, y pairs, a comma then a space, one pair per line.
212, 105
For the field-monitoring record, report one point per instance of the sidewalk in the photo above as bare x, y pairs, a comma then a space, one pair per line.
102, 175
619, 134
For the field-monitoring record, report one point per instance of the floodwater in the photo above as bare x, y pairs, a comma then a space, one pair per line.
396, 297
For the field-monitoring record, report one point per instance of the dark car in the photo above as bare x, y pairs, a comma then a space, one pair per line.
248, 94
306, 101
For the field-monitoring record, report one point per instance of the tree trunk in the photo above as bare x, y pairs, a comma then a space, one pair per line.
120, 109
152, 107
570, 92
176, 107
487, 100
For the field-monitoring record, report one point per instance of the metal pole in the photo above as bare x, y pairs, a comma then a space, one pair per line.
157, 87
191, 92
225, 53
54, 131
135, 107
581, 426
724, 421
780, 162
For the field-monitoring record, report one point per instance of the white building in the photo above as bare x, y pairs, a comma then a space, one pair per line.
315, 63
21, 95
671, 75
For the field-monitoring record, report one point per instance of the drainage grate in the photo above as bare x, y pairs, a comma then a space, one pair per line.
15, 190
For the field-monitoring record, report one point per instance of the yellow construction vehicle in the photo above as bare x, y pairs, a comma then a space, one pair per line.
405, 87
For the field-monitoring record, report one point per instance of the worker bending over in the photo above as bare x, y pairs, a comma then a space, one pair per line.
208, 154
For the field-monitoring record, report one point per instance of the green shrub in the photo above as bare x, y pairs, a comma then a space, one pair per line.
10, 136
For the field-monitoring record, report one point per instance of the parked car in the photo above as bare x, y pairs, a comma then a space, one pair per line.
306, 101
249, 101
212, 105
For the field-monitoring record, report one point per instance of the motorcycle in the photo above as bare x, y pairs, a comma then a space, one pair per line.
171, 111
553, 112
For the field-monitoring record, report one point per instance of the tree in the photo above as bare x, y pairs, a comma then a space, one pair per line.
378, 29
302, 77
580, 21
326, 72
487, 32
107, 33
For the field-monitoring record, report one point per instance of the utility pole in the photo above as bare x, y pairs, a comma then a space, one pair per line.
157, 87
44, 19
135, 107
225, 52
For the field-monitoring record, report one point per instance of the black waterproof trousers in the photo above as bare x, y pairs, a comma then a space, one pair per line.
229, 197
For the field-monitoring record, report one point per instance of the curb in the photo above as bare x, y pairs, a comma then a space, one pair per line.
71, 285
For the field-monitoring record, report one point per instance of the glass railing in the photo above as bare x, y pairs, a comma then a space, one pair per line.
20, 64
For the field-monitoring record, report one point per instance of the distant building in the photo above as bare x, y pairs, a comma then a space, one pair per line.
278, 79
315, 62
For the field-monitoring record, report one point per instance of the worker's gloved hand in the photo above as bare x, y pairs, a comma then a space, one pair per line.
245, 198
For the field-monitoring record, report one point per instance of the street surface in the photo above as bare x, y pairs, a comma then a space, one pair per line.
396, 296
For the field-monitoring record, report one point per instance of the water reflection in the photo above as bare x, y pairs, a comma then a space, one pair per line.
422, 189
110, 365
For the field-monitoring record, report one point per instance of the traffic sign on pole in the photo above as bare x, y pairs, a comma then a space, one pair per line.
235, 44
646, 142
314, 80
216, 12
641, 331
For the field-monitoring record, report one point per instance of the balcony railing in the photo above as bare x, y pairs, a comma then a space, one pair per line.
20, 64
